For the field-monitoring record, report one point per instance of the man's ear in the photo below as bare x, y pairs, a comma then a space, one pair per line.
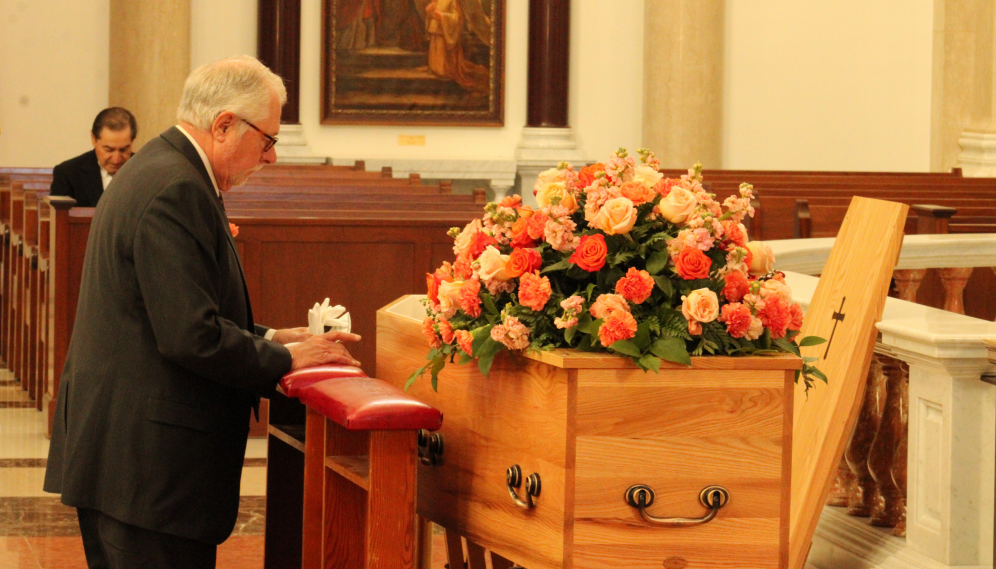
93, 139
222, 126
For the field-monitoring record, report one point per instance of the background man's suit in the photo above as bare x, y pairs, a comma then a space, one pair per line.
163, 367
79, 178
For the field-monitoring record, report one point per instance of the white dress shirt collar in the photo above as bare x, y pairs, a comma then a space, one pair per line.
204, 159
105, 177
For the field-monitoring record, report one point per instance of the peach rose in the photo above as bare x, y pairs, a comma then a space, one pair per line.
647, 176
465, 240
449, 296
772, 286
493, 265
616, 217
550, 192
678, 205
607, 304
700, 306
762, 259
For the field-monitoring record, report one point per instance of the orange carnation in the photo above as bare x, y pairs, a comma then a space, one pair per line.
637, 192
523, 261
636, 286
534, 291
446, 331
234, 229
466, 341
692, 263
536, 226
737, 319
430, 334
591, 252
469, 298
587, 174
736, 286
619, 325
795, 315
776, 315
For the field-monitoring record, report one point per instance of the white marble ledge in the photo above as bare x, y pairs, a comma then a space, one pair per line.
501, 171
916, 328
808, 256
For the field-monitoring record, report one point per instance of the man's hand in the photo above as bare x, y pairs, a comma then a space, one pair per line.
287, 335
323, 349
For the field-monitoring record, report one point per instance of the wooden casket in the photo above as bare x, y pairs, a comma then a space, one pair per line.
591, 426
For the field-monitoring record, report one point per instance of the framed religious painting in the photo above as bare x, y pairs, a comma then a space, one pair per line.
426, 62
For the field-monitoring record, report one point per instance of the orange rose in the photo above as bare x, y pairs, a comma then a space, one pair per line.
520, 234
591, 252
587, 174
523, 261
433, 287
692, 263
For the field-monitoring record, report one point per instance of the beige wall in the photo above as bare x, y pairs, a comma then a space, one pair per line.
843, 85
840, 85
53, 78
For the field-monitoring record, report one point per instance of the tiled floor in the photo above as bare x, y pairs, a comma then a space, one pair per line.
39, 532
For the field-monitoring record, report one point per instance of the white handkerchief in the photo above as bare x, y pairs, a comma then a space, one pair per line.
324, 318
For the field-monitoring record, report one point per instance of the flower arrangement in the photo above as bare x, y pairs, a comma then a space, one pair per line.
615, 258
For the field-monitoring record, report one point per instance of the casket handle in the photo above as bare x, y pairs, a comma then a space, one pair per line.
641, 496
513, 479
430, 447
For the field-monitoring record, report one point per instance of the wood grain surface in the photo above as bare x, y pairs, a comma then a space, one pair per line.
854, 283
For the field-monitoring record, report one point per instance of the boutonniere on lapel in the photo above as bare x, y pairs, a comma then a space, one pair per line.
234, 229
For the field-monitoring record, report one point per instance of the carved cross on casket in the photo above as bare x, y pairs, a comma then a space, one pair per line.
838, 317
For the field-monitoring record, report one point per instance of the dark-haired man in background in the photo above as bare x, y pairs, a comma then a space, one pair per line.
85, 177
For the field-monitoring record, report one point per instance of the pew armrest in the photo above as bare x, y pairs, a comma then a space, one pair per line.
294, 382
368, 404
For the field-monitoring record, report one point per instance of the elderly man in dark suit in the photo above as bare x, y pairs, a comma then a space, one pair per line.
166, 362
85, 177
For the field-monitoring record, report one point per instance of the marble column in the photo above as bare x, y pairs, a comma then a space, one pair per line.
149, 61
963, 129
547, 139
683, 81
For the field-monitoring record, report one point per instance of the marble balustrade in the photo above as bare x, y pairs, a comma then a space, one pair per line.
951, 415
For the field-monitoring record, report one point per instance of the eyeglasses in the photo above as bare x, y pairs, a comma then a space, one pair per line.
270, 140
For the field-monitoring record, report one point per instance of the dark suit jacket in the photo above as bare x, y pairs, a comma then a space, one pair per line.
79, 178
163, 366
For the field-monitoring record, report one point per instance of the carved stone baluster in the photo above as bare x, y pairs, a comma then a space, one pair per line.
864, 489
954, 281
891, 430
842, 483
908, 282
899, 479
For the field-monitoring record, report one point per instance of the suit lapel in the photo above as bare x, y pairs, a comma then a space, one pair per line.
179, 141
95, 184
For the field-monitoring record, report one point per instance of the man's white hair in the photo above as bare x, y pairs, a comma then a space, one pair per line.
239, 84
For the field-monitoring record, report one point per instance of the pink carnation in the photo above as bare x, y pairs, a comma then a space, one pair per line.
513, 334
534, 291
